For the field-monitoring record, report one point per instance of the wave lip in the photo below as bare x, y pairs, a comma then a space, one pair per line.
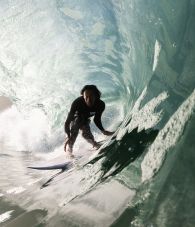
5, 216
167, 138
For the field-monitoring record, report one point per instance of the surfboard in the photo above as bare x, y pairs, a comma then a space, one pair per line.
55, 164
62, 166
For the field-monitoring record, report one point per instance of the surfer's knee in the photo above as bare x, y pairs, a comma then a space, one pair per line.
87, 134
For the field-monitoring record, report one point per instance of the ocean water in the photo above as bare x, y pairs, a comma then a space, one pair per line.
140, 54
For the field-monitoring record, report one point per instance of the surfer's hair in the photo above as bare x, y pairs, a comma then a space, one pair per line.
93, 88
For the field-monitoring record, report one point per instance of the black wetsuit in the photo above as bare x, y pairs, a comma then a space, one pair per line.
78, 118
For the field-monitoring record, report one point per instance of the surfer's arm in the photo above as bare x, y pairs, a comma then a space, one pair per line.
98, 122
69, 118
97, 117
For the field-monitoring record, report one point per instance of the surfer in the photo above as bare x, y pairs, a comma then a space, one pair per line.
87, 105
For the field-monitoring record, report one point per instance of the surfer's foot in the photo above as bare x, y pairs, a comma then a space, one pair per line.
69, 152
96, 145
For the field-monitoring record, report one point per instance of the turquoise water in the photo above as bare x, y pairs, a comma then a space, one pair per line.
140, 54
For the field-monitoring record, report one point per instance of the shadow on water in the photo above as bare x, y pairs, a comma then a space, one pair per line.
47, 183
121, 153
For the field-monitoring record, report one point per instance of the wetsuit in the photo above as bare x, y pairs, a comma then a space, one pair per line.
79, 118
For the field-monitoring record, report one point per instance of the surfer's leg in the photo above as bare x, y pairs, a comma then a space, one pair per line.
86, 133
74, 130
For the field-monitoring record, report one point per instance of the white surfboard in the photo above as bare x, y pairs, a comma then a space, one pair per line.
62, 166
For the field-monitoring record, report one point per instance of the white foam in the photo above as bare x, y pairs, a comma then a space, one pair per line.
5, 216
34, 182
16, 190
145, 117
167, 138
23, 133
157, 49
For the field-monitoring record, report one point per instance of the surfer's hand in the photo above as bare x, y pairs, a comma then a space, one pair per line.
107, 133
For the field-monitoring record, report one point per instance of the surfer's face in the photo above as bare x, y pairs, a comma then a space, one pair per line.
89, 97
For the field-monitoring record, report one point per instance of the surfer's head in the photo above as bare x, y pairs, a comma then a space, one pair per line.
90, 93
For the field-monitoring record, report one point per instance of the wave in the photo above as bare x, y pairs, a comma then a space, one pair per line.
140, 54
